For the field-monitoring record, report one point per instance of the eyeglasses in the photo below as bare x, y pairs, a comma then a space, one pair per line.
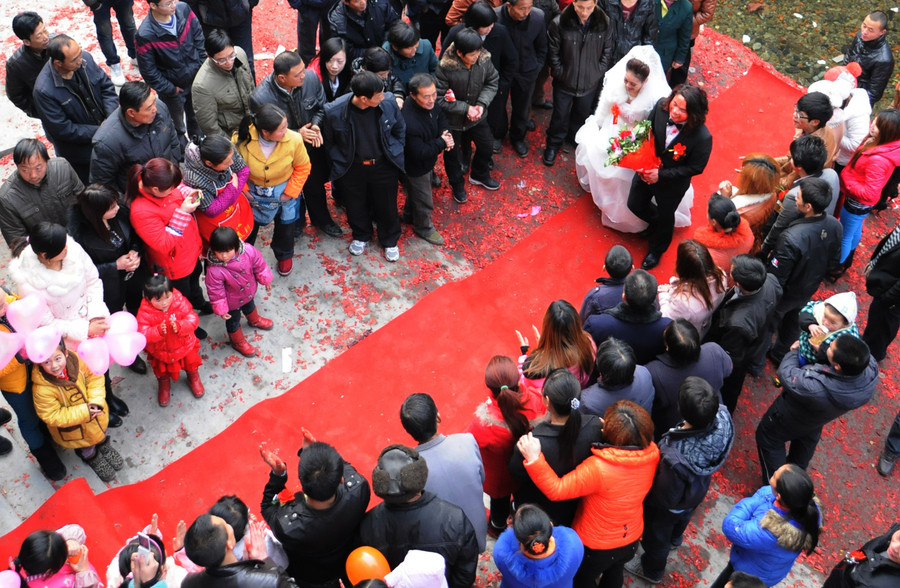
799, 116
225, 60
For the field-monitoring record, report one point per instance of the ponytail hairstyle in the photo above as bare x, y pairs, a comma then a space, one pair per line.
563, 391
214, 149
159, 173
501, 376
795, 490
563, 343
268, 118
95, 201
533, 529
42, 553
47, 240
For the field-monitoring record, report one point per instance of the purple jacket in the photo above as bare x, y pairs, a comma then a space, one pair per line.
232, 285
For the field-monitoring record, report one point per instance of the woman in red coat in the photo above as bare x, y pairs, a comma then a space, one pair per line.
162, 213
499, 421
612, 483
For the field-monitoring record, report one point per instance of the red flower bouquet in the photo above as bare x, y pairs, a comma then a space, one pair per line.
634, 149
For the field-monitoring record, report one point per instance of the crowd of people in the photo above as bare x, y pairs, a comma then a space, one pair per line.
595, 447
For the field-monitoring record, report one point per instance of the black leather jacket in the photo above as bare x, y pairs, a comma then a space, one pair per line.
877, 64
303, 105
640, 29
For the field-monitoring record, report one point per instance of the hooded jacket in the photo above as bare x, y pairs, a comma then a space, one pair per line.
877, 570
222, 98
864, 180
554, 571
612, 483
23, 205
687, 460
500, 45
233, 284
167, 61
472, 86
170, 346
579, 60
118, 145
877, 62
765, 542
814, 395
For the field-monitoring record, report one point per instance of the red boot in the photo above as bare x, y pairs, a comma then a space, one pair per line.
240, 344
259, 322
164, 391
195, 384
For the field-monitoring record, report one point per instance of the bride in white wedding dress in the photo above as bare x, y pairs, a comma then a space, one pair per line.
631, 88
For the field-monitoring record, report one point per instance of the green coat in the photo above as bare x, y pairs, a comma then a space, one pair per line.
674, 38
222, 98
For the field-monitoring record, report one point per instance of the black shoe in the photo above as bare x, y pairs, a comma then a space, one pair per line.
550, 156
650, 261
5, 416
545, 105
498, 145
486, 182
139, 366
114, 420
885, 463
521, 148
116, 405
46, 457
204, 309
459, 194
5, 446
200, 333
332, 230
435, 180
530, 125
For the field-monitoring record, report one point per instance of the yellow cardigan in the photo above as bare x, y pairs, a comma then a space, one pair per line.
63, 404
288, 162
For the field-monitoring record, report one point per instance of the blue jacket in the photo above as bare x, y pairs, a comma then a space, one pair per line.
69, 121
596, 398
554, 571
168, 61
765, 542
339, 136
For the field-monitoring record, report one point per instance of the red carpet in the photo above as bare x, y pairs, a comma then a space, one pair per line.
440, 346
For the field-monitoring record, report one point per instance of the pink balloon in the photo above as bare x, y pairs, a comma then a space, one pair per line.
25, 314
124, 347
10, 343
95, 353
122, 322
40, 343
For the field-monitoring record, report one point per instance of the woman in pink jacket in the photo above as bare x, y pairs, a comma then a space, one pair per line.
865, 176
235, 269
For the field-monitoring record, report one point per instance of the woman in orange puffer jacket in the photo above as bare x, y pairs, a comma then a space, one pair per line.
612, 483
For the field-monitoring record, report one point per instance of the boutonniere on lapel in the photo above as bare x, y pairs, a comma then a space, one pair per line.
677, 151
615, 111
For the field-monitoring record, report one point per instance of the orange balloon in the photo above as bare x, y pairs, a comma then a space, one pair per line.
366, 563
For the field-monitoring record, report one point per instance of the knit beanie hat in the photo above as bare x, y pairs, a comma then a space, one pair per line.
844, 303
401, 473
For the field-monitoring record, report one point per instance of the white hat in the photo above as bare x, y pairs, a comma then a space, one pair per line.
844, 303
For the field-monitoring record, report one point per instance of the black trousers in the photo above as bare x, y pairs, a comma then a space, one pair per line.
370, 194
680, 75
496, 113
282, 238
892, 441
785, 322
774, 432
481, 135
189, 286
308, 19
432, 24
732, 386
661, 528
314, 199
608, 562
881, 327
569, 113
520, 91
661, 215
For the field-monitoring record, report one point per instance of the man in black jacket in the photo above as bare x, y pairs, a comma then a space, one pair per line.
209, 542
739, 322
689, 454
871, 50
361, 23
169, 46
811, 397
23, 66
427, 136
883, 284
299, 93
528, 30
316, 528
136, 132
581, 47
413, 518
73, 96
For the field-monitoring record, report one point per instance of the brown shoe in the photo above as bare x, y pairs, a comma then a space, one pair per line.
195, 384
164, 391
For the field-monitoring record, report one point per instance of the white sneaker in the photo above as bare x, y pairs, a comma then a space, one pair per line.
392, 253
115, 72
357, 247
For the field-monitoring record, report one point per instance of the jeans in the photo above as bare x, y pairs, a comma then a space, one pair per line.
853, 224
608, 562
30, 425
125, 16
233, 324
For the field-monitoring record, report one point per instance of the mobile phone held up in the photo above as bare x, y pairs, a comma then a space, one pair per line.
144, 547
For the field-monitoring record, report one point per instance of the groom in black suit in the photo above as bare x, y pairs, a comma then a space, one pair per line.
683, 144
